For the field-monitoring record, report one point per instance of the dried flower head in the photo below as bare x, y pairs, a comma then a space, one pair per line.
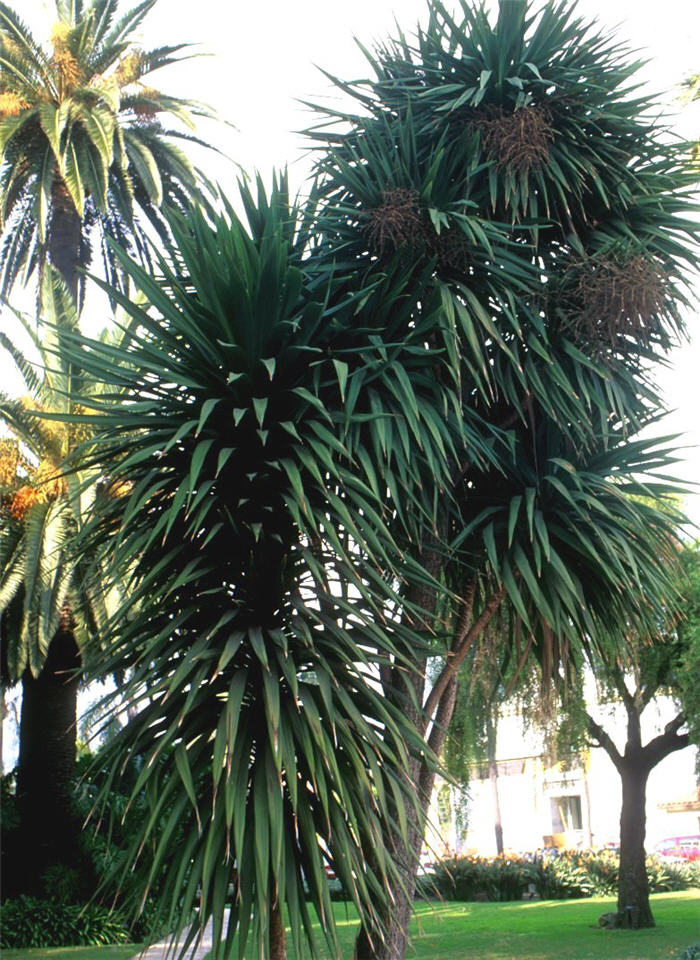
454, 250
621, 300
399, 220
147, 104
519, 140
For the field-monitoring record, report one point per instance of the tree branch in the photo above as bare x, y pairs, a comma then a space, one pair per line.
461, 645
604, 740
667, 742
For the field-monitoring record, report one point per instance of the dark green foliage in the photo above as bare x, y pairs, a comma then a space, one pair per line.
549, 404
28, 923
567, 875
246, 478
482, 878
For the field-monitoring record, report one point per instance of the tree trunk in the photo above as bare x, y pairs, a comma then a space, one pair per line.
493, 777
278, 939
633, 889
434, 719
64, 236
46, 767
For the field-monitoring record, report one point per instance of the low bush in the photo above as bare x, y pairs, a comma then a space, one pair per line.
691, 953
29, 922
482, 878
560, 878
554, 875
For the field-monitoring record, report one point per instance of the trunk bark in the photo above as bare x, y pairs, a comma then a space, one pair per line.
434, 719
369, 945
278, 939
46, 767
633, 890
493, 777
64, 237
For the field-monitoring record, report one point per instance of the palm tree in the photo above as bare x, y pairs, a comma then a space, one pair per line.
50, 608
256, 449
509, 163
87, 146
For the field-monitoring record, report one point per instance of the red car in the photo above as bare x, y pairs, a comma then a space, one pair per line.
679, 848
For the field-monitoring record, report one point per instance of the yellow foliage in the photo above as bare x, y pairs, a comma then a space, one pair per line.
9, 462
11, 104
48, 481
60, 35
70, 70
129, 69
23, 500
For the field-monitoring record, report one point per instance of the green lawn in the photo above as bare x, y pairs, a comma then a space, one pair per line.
553, 930
121, 952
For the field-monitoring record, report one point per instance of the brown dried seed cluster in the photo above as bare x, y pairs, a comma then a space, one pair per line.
621, 300
147, 105
454, 250
399, 220
519, 140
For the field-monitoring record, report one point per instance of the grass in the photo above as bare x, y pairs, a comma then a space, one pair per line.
549, 930
121, 951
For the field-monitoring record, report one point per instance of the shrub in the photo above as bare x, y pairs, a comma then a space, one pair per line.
691, 953
561, 875
482, 878
560, 878
28, 922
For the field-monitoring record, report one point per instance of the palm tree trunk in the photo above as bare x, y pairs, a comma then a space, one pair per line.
278, 940
64, 236
46, 767
493, 777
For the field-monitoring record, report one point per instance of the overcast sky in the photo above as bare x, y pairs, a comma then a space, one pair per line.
263, 57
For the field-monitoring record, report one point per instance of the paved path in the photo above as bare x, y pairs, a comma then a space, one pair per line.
165, 950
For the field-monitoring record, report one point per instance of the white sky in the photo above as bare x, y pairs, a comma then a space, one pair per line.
263, 57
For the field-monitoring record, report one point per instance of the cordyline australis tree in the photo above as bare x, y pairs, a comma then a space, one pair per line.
253, 457
48, 612
87, 146
509, 164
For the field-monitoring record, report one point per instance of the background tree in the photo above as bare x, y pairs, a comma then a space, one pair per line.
664, 665
48, 611
511, 166
88, 150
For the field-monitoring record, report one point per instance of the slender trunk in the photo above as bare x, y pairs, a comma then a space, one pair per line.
493, 777
587, 795
278, 939
64, 236
406, 690
3, 714
433, 719
633, 889
46, 767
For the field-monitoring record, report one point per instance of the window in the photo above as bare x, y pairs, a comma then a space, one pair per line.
566, 814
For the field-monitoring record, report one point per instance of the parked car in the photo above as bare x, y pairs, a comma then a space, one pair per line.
679, 848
